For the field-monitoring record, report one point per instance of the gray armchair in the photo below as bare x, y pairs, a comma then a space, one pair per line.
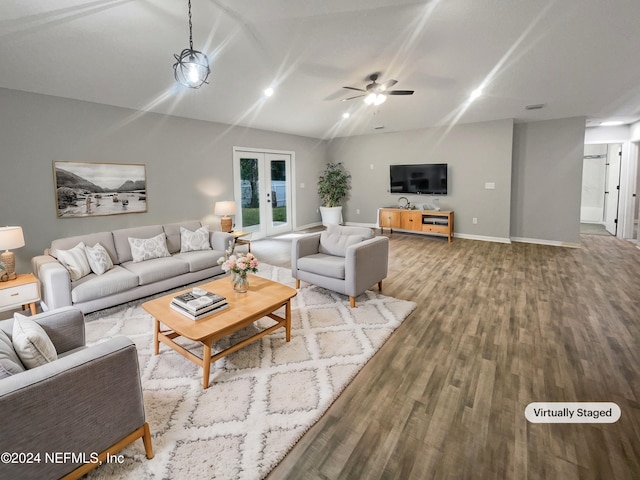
86, 404
347, 260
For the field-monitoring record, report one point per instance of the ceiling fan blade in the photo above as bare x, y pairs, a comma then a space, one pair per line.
354, 88
388, 84
351, 98
399, 92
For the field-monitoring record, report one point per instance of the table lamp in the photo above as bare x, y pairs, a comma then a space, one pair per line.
225, 209
10, 238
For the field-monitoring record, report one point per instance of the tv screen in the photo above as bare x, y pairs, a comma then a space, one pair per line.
421, 179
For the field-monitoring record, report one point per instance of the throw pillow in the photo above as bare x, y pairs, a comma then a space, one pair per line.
31, 342
10, 364
147, 248
194, 241
99, 259
75, 260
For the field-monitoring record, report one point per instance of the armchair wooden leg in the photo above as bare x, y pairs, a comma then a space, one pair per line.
146, 439
352, 302
380, 285
297, 283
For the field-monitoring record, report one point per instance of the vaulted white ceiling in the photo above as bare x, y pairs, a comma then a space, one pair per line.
577, 57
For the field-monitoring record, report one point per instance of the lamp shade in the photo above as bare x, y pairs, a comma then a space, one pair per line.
225, 208
11, 237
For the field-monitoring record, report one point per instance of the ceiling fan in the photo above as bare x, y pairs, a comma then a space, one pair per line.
376, 93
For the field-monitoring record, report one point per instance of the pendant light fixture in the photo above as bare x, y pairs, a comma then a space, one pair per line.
192, 66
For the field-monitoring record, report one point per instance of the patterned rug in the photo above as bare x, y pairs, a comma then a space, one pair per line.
261, 399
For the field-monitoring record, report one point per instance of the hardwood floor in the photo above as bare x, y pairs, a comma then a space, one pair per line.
497, 327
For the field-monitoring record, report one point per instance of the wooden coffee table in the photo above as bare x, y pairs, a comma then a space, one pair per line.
262, 299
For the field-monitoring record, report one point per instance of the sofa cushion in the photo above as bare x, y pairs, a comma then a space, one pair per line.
104, 238
194, 241
201, 259
324, 265
143, 249
121, 239
172, 231
157, 269
335, 239
75, 261
366, 232
99, 259
10, 364
93, 286
31, 342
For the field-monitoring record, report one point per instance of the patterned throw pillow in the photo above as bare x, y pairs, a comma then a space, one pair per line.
147, 248
194, 241
10, 364
75, 260
99, 259
31, 342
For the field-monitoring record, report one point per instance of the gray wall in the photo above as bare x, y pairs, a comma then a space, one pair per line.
476, 153
188, 164
547, 180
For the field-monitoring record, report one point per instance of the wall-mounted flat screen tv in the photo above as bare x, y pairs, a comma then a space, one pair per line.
421, 179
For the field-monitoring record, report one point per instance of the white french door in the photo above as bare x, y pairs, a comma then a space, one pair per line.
263, 191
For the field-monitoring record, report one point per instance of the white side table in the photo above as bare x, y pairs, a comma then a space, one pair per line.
24, 290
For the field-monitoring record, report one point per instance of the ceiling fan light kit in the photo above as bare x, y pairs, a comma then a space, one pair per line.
376, 93
192, 67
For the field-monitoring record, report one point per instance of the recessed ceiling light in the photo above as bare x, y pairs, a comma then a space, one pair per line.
268, 92
346, 115
475, 94
612, 123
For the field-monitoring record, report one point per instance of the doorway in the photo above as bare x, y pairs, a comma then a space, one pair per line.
600, 189
263, 191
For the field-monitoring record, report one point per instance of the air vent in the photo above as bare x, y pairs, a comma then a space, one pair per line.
379, 127
537, 106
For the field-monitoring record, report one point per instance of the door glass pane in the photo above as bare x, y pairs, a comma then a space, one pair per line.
278, 192
250, 191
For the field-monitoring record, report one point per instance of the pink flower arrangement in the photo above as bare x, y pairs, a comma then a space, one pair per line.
240, 264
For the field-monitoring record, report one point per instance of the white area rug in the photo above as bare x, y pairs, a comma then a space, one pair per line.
261, 399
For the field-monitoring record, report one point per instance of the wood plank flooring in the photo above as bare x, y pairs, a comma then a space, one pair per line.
497, 327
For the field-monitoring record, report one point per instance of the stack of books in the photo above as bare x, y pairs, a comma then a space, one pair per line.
198, 304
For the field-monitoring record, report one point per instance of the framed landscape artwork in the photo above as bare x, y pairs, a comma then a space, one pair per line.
90, 189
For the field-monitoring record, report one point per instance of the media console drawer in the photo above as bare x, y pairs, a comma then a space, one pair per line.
444, 229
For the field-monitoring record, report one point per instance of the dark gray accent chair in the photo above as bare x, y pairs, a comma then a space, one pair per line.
88, 401
344, 259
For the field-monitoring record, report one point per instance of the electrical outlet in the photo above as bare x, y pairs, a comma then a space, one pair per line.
475, 221
357, 211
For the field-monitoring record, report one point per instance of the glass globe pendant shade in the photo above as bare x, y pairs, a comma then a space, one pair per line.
191, 68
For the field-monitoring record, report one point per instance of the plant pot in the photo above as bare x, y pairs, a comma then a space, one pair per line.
331, 215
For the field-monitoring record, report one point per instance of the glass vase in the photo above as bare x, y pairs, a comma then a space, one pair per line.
240, 282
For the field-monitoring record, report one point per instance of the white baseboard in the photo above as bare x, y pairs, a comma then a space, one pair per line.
307, 226
482, 238
539, 241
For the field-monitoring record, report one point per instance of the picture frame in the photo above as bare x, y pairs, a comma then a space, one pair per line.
85, 189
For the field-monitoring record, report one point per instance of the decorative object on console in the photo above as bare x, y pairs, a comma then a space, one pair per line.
192, 67
225, 209
10, 238
333, 187
86, 189
239, 266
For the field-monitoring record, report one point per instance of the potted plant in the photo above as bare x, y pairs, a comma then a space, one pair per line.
333, 187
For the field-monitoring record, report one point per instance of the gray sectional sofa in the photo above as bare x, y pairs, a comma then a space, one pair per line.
128, 279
